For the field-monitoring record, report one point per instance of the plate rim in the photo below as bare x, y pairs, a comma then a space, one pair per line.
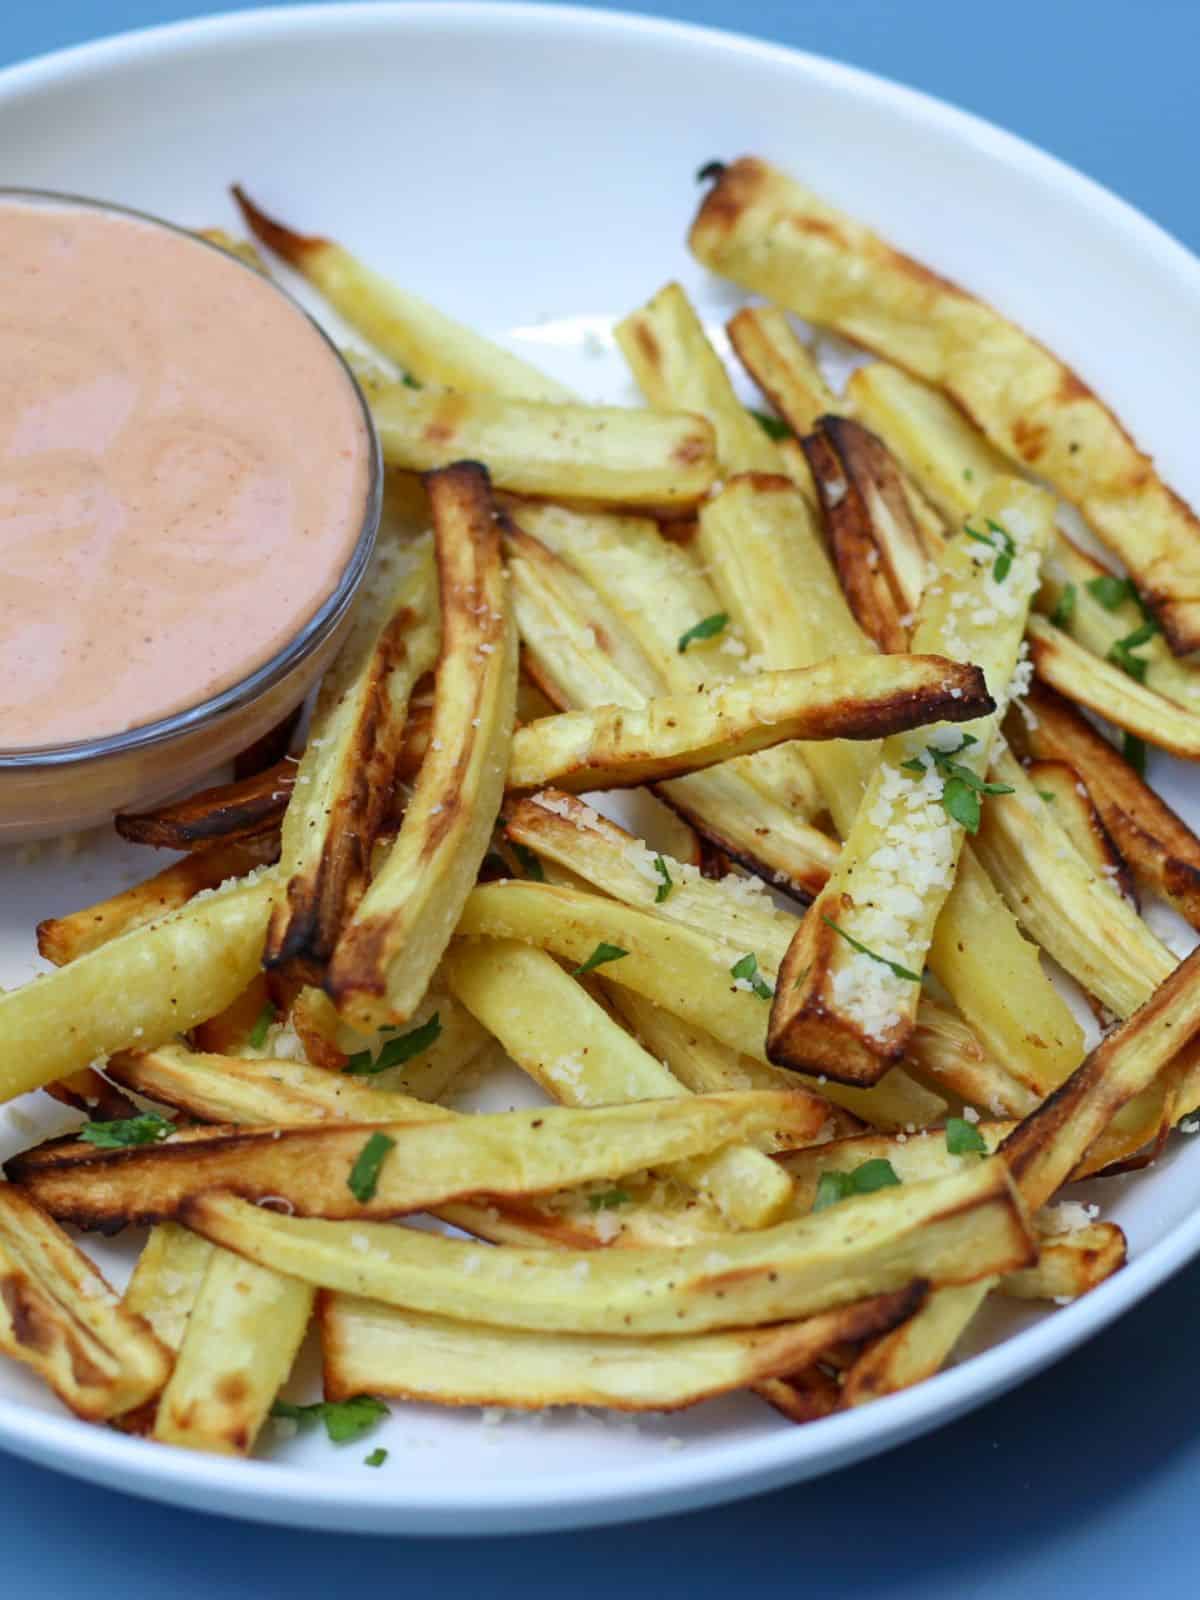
713, 1472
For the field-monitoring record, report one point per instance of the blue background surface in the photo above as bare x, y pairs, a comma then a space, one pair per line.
1081, 1483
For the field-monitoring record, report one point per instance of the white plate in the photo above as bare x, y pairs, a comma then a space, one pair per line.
532, 169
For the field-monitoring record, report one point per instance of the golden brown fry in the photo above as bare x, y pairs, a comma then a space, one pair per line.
1070, 1264
771, 235
846, 697
1093, 931
343, 786
241, 1339
138, 990
166, 1280
856, 554
389, 950
776, 582
665, 461
950, 1231
244, 810
63, 939
677, 369
1108, 690
554, 1030
418, 337
59, 1317
424, 1165
1061, 786
370, 1348
846, 1002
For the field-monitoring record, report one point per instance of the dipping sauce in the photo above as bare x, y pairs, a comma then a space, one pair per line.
184, 472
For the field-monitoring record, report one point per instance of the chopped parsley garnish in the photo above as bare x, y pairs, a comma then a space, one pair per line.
872, 1175
968, 475
1001, 541
893, 966
1134, 751
963, 1138
600, 956
609, 1200
1047, 795
1111, 592
668, 882
377, 1457
1064, 607
706, 628
396, 1051
257, 1037
961, 788
747, 971
410, 382
148, 1128
773, 427
345, 1420
363, 1178
1121, 653
531, 866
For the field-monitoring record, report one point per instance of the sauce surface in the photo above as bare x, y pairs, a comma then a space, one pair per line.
183, 472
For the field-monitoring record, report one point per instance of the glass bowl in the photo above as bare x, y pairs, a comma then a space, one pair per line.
63, 788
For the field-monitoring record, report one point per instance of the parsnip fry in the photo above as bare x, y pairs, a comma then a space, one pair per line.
59, 1317
64, 939
1097, 936
343, 786
1061, 786
846, 1003
707, 1066
849, 697
138, 990
387, 953
771, 235
1108, 689
375, 1349
166, 1280
419, 338
1042, 1152
612, 454
677, 369
951, 1231
584, 656
1158, 844
775, 580
242, 1337
248, 809
556, 1032
420, 1165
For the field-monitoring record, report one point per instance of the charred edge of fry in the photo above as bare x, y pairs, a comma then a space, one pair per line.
460, 493
815, 1039
805, 890
737, 186
1042, 1129
284, 241
305, 927
1066, 783
852, 543
805, 1396
1157, 843
63, 939
231, 811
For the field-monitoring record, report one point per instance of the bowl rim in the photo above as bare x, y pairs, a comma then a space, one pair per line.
315, 630
275, 1492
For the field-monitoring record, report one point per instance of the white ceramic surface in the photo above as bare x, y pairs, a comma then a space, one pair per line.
531, 170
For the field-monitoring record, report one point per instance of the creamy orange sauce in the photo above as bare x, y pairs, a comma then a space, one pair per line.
183, 472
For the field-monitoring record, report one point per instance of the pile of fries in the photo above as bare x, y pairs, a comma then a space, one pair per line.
816, 1088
